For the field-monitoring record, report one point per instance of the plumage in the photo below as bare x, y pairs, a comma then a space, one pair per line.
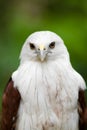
45, 92
10, 104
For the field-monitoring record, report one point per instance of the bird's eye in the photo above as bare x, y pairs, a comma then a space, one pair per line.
32, 46
52, 45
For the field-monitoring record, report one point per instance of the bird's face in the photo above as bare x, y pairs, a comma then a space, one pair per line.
42, 51
42, 46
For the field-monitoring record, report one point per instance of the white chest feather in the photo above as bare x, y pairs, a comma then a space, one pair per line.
49, 95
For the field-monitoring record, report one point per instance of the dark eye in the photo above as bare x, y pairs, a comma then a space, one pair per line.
52, 45
32, 46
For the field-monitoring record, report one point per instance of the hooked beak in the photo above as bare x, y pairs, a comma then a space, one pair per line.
42, 52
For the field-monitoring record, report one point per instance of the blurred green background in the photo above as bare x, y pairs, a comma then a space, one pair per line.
19, 18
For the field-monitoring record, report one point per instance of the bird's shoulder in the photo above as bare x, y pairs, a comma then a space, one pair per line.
10, 104
82, 109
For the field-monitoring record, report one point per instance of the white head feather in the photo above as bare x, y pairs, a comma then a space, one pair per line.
40, 47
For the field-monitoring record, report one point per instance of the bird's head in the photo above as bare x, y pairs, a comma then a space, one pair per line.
42, 46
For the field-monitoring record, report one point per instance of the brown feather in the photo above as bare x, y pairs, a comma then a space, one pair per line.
10, 104
82, 109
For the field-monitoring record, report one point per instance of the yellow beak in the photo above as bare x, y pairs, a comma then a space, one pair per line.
42, 52
41, 47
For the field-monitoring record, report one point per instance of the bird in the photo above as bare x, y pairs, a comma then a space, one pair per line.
45, 92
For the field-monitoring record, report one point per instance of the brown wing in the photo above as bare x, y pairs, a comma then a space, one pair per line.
10, 104
82, 111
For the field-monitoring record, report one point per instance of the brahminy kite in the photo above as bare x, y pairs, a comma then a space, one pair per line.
45, 92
